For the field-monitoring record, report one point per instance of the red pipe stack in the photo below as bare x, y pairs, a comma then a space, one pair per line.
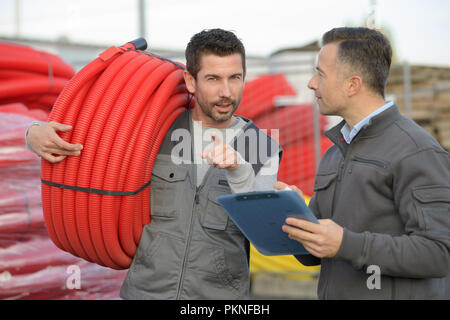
32, 77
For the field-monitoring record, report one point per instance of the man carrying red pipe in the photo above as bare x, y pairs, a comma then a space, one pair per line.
191, 249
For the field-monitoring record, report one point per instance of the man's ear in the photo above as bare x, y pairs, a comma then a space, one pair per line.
190, 81
354, 85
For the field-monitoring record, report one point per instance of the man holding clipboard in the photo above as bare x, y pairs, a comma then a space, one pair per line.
382, 191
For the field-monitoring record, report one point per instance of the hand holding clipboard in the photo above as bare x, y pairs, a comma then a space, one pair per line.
322, 240
261, 215
280, 223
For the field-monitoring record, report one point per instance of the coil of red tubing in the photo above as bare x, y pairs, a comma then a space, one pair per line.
32, 77
120, 106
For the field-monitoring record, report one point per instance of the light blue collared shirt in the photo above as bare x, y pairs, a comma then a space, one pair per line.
350, 134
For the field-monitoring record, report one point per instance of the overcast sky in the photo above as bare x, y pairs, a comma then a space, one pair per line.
420, 30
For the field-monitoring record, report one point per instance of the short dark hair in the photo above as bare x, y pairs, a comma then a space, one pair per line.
213, 41
365, 50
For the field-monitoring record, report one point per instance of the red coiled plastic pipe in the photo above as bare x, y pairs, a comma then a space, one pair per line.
120, 106
32, 77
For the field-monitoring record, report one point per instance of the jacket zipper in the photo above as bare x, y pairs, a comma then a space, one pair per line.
188, 244
374, 162
330, 261
196, 202
340, 171
340, 174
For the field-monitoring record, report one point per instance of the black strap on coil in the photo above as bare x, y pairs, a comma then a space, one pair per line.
96, 191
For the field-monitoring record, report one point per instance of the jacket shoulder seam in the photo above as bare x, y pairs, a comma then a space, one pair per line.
421, 151
406, 132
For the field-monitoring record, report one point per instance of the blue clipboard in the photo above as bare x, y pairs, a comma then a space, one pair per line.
260, 216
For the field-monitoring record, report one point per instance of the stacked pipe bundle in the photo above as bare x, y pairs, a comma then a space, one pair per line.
32, 77
14, 119
31, 266
120, 107
20, 209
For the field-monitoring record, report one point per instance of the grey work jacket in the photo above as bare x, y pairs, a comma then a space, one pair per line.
390, 190
191, 249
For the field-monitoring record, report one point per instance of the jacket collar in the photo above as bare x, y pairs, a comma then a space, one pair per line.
376, 125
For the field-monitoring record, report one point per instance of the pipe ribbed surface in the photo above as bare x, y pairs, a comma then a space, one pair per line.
120, 107
32, 77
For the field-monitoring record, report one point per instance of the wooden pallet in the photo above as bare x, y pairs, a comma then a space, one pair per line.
430, 98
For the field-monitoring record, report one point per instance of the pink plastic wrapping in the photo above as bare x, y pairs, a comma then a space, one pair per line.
31, 266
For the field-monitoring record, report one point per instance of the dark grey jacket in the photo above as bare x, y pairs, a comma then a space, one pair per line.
191, 249
390, 190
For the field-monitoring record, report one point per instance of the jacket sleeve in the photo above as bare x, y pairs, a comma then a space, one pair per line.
26, 133
243, 179
421, 192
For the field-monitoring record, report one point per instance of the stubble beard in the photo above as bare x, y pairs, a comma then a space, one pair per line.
210, 110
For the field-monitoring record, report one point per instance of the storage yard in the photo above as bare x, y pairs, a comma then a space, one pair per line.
32, 267
38, 260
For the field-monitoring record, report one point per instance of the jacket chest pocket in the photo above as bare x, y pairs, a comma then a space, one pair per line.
166, 188
371, 174
356, 159
214, 217
324, 187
